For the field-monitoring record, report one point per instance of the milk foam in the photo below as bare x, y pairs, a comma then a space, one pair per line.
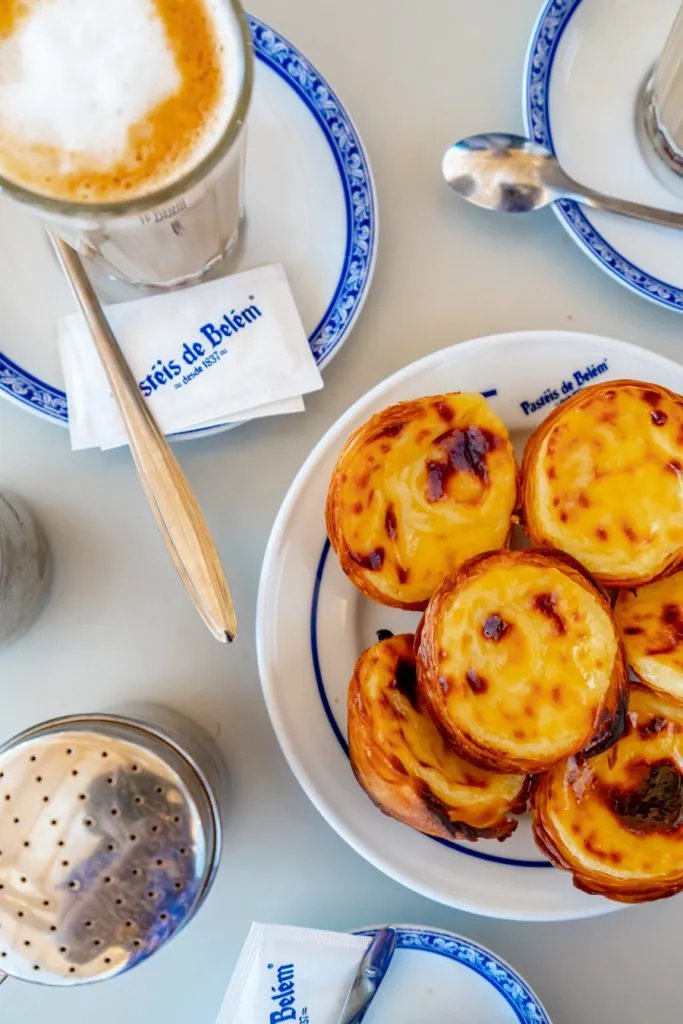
77, 75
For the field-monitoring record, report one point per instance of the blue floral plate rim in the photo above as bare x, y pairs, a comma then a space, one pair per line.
546, 37
482, 961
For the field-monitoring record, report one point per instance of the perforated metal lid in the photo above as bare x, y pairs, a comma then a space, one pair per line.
109, 839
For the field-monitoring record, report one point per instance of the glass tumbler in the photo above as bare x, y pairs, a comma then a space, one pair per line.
661, 110
175, 235
24, 568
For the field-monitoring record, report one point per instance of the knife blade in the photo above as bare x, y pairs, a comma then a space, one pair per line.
369, 976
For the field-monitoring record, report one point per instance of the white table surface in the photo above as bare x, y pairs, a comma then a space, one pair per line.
118, 625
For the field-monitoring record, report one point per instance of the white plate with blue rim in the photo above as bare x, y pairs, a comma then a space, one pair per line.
312, 624
586, 63
313, 209
437, 976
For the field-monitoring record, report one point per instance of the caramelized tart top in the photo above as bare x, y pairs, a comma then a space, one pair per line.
406, 765
650, 620
603, 481
616, 820
520, 660
418, 489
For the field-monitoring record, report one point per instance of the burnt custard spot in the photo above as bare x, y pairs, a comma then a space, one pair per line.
671, 616
630, 532
547, 605
402, 573
592, 846
495, 627
390, 522
392, 431
372, 561
405, 679
584, 500
445, 412
633, 630
653, 727
476, 683
672, 619
651, 398
601, 533
658, 417
674, 467
465, 451
654, 805
556, 694
358, 508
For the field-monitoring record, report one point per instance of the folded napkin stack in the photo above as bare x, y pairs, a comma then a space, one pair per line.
225, 351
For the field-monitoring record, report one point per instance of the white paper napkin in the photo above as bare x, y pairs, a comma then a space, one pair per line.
224, 351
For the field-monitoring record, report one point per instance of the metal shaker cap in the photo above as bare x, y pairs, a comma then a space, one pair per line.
109, 840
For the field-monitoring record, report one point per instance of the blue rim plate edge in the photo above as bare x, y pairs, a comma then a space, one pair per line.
546, 36
273, 49
275, 543
483, 961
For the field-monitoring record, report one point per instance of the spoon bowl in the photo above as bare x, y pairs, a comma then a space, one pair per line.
512, 174
499, 172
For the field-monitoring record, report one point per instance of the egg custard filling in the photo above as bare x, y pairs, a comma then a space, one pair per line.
520, 663
616, 820
650, 620
602, 479
406, 766
417, 490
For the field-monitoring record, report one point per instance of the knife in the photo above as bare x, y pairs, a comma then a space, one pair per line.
371, 971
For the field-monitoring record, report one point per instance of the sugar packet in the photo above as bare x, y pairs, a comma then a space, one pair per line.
288, 975
222, 351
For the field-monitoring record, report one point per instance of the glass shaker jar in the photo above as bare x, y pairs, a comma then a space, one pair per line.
24, 568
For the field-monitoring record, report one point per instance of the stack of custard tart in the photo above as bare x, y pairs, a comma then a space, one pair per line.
547, 678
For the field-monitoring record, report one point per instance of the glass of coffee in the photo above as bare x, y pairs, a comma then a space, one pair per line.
123, 125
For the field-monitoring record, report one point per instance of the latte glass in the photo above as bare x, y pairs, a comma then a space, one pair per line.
175, 235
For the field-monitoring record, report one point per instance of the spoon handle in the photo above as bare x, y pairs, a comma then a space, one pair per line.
173, 504
369, 976
638, 211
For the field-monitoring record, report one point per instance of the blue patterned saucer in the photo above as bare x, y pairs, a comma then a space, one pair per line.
315, 213
586, 62
437, 976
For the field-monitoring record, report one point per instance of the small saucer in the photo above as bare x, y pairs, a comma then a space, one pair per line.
586, 65
310, 205
434, 971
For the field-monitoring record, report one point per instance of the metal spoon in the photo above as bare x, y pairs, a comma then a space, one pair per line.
514, 175
173, 504
369, 976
